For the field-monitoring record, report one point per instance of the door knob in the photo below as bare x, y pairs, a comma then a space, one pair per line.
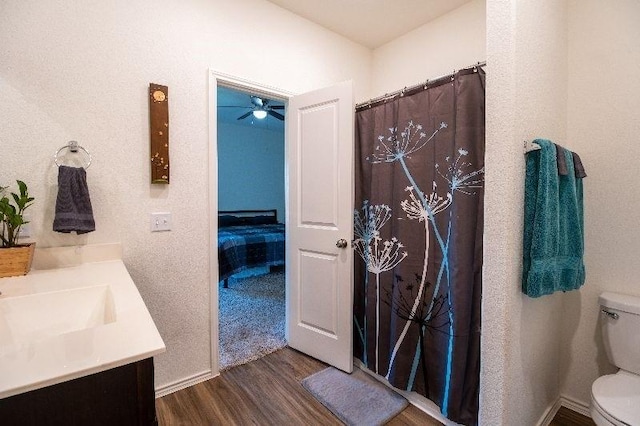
341, 243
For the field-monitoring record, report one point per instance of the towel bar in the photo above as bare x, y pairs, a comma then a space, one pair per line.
73, 146
530, 146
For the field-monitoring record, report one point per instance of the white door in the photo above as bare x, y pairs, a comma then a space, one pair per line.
320, 219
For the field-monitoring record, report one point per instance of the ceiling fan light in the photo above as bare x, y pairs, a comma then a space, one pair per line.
259, 114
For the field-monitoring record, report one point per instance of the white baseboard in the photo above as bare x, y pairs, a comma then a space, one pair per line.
563, 401
550, 413
426, 405
183, 383
577, 406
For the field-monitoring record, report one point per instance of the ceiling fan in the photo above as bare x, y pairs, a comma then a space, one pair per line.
261, 108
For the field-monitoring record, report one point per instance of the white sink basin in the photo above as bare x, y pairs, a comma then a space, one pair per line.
26, 319
80, 316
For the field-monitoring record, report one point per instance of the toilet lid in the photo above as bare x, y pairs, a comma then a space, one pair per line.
619, 395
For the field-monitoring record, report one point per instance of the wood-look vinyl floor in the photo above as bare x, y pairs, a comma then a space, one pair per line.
566, 417
262, 392
268, 392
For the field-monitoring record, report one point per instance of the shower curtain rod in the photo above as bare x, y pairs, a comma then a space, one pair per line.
401, 92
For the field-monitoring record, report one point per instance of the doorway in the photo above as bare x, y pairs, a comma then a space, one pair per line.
251, 277
318, 279
251, 226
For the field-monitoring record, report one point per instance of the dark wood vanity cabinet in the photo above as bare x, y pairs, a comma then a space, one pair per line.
120, 396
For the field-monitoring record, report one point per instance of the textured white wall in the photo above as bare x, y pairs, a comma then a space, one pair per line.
453, 41
526, 98
500, 272
80, 70
251, 168
604, 128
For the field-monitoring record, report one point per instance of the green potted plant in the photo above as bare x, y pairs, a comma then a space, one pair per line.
15, 258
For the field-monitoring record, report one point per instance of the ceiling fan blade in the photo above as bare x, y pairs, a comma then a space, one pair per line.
276, 106
234, 106
243, 116
276, 115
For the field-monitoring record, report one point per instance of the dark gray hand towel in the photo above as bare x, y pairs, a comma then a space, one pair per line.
73, 205
562, 164
577, 164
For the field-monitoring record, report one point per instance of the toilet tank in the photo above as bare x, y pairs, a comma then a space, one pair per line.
621, 329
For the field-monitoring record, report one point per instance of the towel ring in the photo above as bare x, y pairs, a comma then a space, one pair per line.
72, 146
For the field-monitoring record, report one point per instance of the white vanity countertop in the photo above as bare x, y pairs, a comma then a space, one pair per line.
131, 337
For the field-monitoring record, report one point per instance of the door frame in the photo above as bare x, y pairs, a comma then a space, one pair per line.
234, 82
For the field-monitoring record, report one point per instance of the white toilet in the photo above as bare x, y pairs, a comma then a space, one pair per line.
615, 398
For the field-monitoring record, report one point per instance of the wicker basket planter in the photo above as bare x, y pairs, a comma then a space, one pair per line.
15, 261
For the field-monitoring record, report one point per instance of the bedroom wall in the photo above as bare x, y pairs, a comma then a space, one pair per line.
526, 98
452, 41
251, 168
603, 127
80, 70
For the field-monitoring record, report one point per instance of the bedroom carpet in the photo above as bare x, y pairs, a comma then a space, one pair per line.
356, 398
251, 318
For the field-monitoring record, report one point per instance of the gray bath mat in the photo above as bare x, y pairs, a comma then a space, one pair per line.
357, 399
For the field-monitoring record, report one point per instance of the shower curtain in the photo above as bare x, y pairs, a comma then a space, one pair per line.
418, 238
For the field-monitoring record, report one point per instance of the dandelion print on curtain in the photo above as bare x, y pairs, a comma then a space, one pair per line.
418, 240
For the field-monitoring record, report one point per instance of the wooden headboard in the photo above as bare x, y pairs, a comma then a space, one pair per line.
247, 217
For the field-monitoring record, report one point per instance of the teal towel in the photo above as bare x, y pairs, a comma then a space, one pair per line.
553, 224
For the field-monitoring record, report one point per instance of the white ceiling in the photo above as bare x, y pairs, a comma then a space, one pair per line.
371, 23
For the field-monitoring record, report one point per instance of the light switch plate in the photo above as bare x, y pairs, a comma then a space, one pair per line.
160, 222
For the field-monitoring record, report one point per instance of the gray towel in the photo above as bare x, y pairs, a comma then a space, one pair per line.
562, 163
73, 205
577, 164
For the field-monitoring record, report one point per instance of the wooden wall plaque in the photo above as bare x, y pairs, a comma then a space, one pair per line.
159, 132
